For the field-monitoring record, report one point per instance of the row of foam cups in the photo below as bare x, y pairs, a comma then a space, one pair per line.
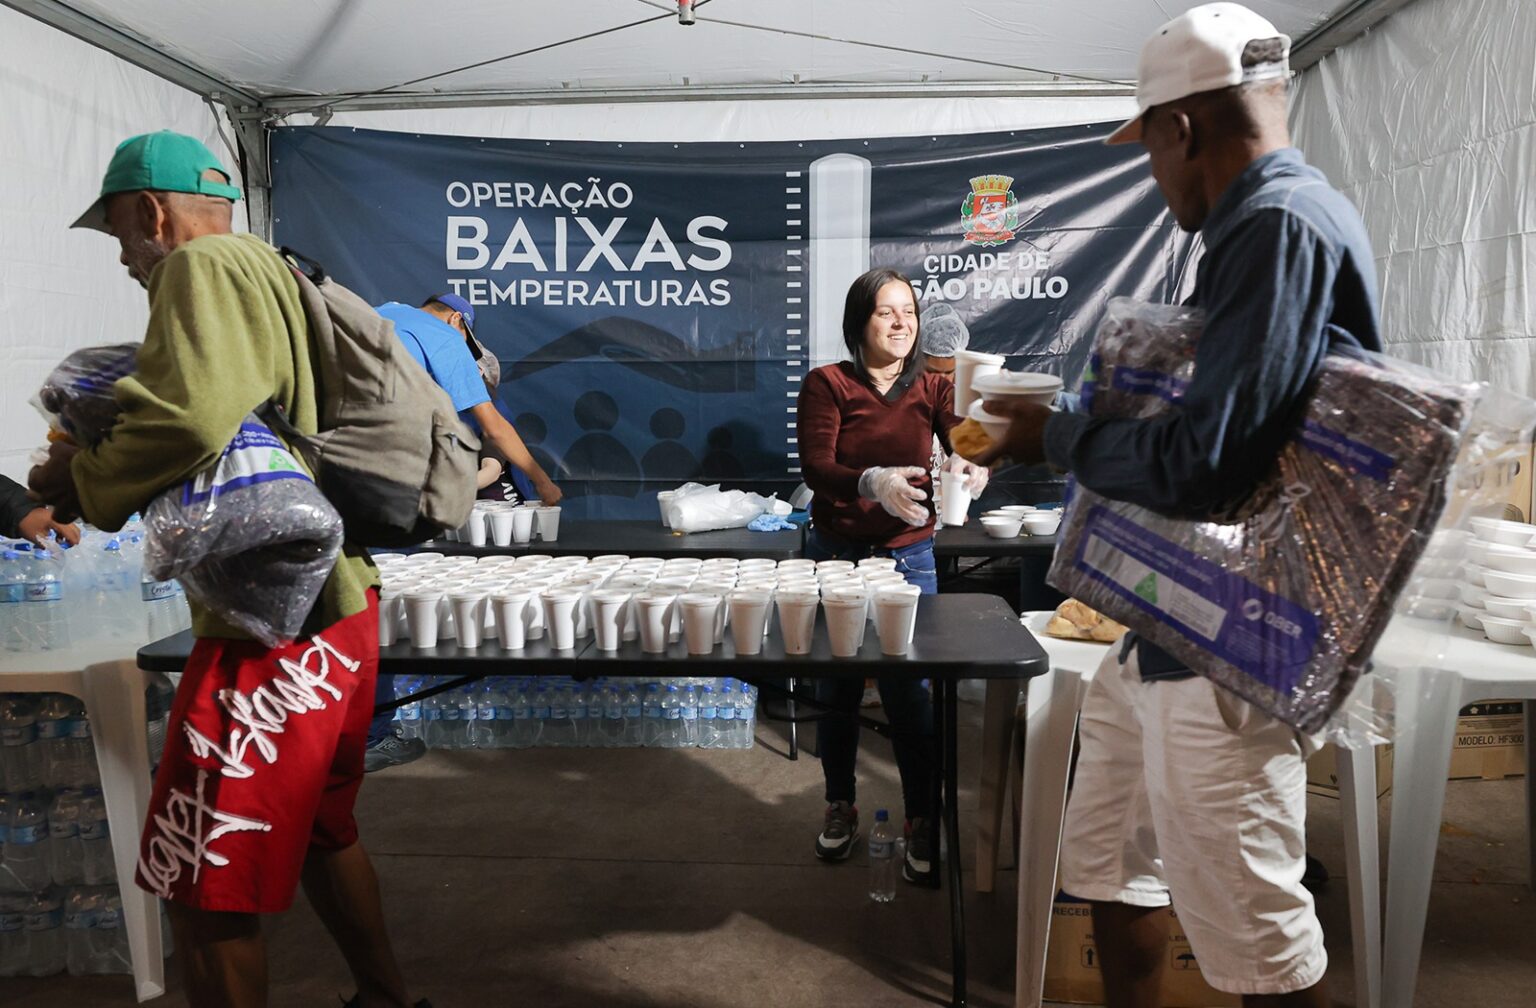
504, 524
428, 598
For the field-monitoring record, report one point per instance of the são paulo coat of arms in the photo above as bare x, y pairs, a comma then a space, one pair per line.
990, 211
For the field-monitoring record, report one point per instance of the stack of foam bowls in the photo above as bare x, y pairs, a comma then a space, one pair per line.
1021, 519
1498, 585
428, 600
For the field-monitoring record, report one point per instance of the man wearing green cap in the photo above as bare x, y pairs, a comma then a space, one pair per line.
264, 755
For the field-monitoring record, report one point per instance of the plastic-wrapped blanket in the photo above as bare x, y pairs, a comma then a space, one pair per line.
695, 508
251, 537
76, 398
1282, 595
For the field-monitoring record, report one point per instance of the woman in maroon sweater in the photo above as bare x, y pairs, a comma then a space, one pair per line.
866, 429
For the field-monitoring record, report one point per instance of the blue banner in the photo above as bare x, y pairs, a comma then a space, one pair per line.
655, 306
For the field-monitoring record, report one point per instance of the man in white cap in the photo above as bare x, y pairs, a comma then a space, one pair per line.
1183, 790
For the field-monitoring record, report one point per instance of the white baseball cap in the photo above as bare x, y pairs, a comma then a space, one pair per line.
1204, 49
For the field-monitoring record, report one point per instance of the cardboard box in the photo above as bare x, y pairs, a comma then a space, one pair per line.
1323, 771
1072, 963
1490, 741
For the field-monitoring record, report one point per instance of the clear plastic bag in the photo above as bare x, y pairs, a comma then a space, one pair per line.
695, 508
77, 399
1282, 595
251, 538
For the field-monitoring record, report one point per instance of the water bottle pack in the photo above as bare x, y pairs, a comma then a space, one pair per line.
54, 597
508, 712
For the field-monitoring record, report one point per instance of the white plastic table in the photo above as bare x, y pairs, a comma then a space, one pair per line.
107, 680
1446, 674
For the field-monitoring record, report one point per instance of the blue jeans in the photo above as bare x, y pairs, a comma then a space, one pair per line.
908, 707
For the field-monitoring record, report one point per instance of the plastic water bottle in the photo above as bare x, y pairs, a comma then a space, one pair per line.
64, 742
882, 859
81, 906
689, 711
43, 614
634, 720
486, 702
725, 717
66, 848
541, 699
709, 725
502, 715
43, 927
13, 936
559, 729
525, 730
432, 717
650, 715
469, 712
451, 719
13, 591
24, 867
746, 717
671, 719
159, 599
21, 764
109, 939
610, 727
408, 714
96, 840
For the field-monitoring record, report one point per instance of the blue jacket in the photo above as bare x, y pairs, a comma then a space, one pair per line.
1287, 278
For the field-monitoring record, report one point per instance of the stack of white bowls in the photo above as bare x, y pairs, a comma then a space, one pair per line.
1021, 519
1497, 589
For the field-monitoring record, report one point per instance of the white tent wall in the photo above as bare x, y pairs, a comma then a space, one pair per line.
767, 119
1429, 124
67, 106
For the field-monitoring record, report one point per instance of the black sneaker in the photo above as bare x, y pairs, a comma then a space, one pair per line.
392, 750
918, 865
839, 833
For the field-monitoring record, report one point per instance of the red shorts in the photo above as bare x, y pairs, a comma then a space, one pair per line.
263, 759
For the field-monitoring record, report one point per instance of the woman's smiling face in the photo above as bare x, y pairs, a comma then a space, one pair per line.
891, 332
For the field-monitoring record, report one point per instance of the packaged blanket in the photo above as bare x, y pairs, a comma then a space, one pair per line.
1280, 594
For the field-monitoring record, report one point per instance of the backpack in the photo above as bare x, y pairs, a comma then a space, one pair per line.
391, 453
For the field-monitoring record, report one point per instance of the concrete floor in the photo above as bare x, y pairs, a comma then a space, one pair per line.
684, 879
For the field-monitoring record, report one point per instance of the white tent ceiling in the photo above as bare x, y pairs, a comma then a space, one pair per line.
283, 53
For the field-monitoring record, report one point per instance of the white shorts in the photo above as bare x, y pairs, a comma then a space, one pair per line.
1183, 790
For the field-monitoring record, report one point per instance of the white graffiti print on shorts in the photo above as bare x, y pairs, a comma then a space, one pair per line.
184, 835
300, 687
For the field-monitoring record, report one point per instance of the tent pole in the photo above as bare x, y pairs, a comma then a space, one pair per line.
250, 125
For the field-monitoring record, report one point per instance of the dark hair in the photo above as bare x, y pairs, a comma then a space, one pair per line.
860, 306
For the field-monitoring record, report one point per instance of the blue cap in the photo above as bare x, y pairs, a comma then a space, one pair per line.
459, 305
881, 815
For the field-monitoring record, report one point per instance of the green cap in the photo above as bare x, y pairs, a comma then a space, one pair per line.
164, 162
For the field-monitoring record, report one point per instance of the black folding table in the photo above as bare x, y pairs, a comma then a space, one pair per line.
643, 538
956, 637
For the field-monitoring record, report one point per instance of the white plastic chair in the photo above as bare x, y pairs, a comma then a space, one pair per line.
1428, 702
112, 690
1050, 725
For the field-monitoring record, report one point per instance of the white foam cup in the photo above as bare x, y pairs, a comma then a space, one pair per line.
421, 616
895, 616
502, 520
520, 526
749, 615
511, 606
560, 616
700, 611
476, 527
469, 615
549, 523
845, 610
389, 616
877, 564
608, 616
797, 620
654, 612
956, 500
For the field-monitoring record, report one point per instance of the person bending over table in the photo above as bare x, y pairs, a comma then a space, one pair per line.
866, 428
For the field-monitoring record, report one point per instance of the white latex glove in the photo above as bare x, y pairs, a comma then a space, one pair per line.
891, 487
975, 475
